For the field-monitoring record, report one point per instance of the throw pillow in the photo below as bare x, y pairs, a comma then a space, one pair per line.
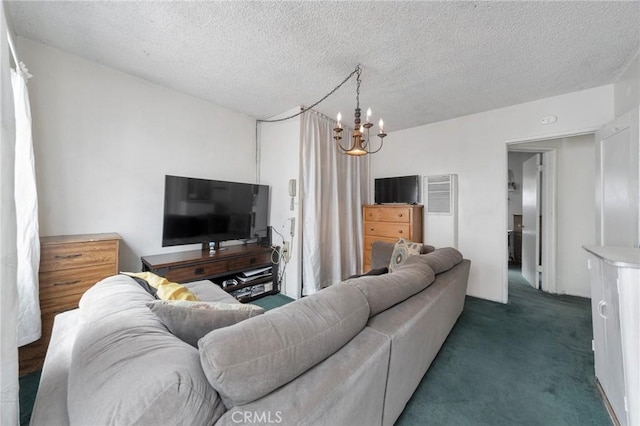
166, 290
190, 321
401, 251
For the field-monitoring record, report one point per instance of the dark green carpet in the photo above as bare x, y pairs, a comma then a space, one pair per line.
273, 301
28, 388
528, 362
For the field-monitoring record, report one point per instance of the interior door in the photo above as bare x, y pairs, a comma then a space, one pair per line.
531, 219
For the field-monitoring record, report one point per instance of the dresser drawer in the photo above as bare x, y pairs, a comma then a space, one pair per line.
249, 261
72, 281
386, 229
77, 255
196, 272
382, 214
58, 305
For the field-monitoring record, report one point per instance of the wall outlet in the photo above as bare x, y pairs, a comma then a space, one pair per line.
286, 254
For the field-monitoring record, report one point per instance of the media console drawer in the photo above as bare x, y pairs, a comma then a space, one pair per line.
249, 261
196, 272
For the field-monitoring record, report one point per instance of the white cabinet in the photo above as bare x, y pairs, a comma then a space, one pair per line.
615, 308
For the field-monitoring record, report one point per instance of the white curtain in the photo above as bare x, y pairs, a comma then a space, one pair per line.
26, 196
334, 188
9, 410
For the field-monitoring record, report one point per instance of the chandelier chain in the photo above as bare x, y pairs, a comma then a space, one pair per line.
357, 71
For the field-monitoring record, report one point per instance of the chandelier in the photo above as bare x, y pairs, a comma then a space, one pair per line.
360, 145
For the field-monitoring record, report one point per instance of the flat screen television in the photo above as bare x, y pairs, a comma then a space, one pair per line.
203, 211
401, 189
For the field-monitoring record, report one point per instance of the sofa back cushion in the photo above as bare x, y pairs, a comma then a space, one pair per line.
384, 291
250, 359
127, 368
443, 259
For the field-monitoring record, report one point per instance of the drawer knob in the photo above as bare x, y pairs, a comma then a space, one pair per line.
400, 231
371, 229
400, 215
68, 256
199, 271
252, 261
66, 283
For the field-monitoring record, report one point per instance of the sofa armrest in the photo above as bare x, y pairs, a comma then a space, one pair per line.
50, 407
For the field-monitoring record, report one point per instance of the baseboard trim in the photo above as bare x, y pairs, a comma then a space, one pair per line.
607, 404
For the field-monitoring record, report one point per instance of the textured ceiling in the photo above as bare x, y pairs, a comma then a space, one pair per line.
422, 61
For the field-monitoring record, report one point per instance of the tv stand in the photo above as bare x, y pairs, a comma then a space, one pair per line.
220, 266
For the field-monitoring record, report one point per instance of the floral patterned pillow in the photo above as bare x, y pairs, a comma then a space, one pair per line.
401, 251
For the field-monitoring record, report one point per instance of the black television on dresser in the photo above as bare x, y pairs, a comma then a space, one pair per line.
400, 189
205, 211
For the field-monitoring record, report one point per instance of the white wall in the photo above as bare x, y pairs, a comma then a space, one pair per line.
575, 205
474, 147
627, 88
104, 140
279, 152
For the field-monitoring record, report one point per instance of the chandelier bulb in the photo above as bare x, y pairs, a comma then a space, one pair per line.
381, 124
368, 114
339, 120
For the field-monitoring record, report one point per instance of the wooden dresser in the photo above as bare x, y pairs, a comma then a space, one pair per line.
69, 265
388, 222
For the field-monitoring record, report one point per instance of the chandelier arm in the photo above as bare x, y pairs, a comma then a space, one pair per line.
339, 145
357, 71
379, 148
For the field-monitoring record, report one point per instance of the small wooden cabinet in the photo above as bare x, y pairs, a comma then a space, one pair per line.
69, 265
226, 264
388, 222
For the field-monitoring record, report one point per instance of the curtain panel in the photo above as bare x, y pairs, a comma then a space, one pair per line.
9, 408
334, 187
26, 198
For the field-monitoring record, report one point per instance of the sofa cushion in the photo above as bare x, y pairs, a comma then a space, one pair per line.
379, 271
248, 360
126, 368
384, 291
191, 321
381, 253
443, 259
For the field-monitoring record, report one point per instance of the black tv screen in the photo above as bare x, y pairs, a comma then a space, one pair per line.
401, 189
203, 210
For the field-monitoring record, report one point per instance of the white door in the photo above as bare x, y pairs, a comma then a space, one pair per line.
531, 219
617, 183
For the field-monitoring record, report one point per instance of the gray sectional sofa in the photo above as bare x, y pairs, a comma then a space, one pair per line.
351, 354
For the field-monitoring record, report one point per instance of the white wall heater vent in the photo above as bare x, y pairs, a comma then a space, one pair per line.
441, 212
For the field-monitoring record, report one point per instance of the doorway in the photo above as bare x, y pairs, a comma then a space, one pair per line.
525, 195
564, 219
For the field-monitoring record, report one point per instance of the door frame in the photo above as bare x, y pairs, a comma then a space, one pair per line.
549, 254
